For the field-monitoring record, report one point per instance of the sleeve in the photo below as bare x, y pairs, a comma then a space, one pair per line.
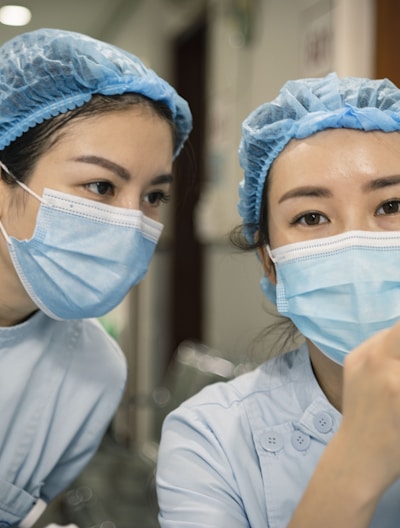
86, 403
196, 485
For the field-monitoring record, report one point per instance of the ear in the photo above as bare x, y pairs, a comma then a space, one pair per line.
268, 265
4, 195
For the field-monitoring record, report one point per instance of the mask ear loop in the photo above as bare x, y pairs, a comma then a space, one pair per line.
26, 188
268, 250
21, 184
7, 238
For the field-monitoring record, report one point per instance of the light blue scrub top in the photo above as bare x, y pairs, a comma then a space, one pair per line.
60, 384
240, 454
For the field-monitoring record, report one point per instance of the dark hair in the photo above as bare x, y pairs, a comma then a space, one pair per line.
22, 154
238, 237
281, 332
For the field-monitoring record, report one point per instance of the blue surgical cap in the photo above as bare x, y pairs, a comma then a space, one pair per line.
49, 71
302, 108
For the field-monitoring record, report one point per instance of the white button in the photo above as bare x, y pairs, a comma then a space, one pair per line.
323, 422
272, 442
300, 441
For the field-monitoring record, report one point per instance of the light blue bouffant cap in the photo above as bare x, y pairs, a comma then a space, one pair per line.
302, 108
49, 71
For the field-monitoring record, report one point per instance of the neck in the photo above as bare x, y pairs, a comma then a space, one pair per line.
328, 374
15, 304
11, 317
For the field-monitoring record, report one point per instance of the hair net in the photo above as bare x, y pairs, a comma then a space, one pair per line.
49, 71
302, 108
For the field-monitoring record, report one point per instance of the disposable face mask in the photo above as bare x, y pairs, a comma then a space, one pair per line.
84, 256
340, 290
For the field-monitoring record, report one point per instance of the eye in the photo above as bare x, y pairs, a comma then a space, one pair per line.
310, 219
155, 198
101, 187
389, 207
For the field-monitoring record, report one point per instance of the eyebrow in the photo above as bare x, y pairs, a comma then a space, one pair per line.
120, 171
381, 183
307, 190
323, 192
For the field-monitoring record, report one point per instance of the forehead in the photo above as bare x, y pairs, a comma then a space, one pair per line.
338, 151
137, 120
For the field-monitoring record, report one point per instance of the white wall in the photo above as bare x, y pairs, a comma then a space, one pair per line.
240, 77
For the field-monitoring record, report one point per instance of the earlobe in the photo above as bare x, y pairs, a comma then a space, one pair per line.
268, 265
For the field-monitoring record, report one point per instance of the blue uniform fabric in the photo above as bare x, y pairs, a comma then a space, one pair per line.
240, 454
60, 384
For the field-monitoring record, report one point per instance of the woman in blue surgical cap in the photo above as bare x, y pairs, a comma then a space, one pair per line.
311, 438
88, 136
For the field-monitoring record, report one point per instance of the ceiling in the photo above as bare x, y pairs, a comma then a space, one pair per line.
98, 18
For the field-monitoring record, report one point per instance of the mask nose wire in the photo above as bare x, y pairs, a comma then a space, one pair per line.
21, 184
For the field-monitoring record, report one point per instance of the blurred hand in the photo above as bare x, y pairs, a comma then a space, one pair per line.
370, 427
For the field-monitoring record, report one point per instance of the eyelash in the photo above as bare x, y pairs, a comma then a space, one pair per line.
161, 197
110, 187
154, 198
298, 219
386, 202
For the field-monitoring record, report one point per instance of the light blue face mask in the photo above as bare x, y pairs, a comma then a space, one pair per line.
340, 290
84, 256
